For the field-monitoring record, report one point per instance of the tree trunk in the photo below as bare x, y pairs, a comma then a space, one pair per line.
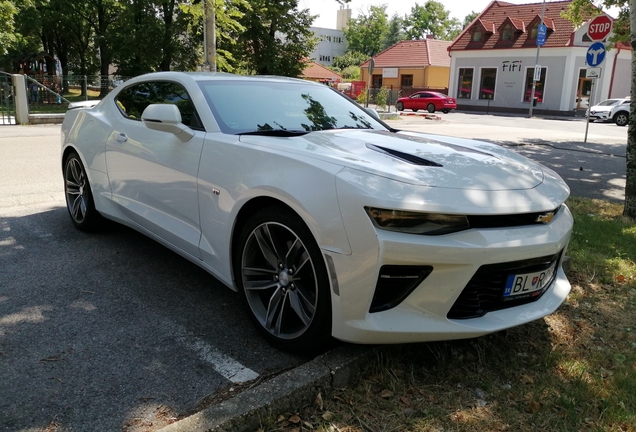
168, 47
630, 184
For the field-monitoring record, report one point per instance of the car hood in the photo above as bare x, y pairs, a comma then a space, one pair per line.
419, 159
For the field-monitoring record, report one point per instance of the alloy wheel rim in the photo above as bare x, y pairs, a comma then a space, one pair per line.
76, 190
279, 279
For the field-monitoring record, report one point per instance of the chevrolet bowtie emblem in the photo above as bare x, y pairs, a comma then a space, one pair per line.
545, 218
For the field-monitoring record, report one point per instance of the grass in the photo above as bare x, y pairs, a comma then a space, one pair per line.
575, 370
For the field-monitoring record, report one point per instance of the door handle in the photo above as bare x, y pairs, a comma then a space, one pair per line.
121, 138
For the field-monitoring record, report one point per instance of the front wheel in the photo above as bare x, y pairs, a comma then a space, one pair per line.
79, 198
283, 277
399, 106
621, 119
430, 108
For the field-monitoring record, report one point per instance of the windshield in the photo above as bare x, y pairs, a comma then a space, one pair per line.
242, 106
609, 102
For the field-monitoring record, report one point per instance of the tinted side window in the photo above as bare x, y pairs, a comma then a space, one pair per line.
133, 100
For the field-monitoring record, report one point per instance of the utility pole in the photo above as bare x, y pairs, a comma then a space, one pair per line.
209, 37
536, 64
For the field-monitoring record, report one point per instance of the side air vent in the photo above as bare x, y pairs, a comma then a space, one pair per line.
395, 283
405, 157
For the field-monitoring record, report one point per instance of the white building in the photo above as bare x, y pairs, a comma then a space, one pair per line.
332, 41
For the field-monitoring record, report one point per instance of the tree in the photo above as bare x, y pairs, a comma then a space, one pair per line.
350, 58
624, 31
277, 39
431, 19
366, 33
395, 33
469, 18
7, 29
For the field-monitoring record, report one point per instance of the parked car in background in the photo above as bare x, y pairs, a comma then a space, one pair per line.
602, 110
427, 100
328, 222
620, 113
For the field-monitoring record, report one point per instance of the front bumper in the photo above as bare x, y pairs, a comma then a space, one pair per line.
455, 258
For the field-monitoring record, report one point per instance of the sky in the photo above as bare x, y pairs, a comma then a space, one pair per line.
327, 9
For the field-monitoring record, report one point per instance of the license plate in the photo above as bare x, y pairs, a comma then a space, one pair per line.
528, 284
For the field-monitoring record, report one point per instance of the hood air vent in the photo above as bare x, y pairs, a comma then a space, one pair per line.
405, 157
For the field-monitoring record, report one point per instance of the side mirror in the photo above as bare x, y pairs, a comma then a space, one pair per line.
166, 118
374, 113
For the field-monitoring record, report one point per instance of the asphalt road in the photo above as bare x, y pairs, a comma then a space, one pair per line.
112, 332
108, 331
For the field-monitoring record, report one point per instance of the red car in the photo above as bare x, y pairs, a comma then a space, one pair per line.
427, 100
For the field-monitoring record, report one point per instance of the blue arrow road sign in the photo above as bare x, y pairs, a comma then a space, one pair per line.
595, 54
542, 31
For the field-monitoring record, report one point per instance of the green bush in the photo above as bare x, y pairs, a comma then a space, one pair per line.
381, 98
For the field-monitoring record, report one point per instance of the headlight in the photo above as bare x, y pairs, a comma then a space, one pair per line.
417, 223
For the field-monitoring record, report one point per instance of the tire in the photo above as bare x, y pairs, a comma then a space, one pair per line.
79, 197
414, 109
399, 106
281, 272
445, 111
621, 118
430, 108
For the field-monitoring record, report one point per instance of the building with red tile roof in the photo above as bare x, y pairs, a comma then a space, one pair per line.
411, 64
493, 61
317, 72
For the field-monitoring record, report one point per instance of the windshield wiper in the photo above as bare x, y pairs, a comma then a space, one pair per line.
276, 133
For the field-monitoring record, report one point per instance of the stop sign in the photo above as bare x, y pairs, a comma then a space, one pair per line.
599, 27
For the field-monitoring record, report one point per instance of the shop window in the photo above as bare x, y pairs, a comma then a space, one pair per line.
538, 88
407, 80
465, 83
487, 83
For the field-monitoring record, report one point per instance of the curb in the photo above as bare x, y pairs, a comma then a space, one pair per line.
427, 116
286, 392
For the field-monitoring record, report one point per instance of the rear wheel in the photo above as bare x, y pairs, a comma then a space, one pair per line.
430, 108
621, 118
399, 106
79, 198
283, 277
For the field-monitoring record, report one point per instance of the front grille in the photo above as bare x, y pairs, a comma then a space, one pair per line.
485, 291
395, 283
509, 220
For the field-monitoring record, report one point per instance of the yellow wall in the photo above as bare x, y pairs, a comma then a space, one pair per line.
432, 76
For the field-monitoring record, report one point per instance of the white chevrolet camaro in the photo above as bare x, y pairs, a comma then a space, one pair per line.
326, 220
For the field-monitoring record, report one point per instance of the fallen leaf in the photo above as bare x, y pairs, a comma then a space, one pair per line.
294, 419
319, 402
527, 379
432, 398
386, 394
327, 416
533, 407
405, 400
620, 279
308, 425
281, 418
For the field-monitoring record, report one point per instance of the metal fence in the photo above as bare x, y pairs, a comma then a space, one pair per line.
44, 92
7, 100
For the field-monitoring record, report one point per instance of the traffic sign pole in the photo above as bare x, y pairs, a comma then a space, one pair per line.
536, 63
